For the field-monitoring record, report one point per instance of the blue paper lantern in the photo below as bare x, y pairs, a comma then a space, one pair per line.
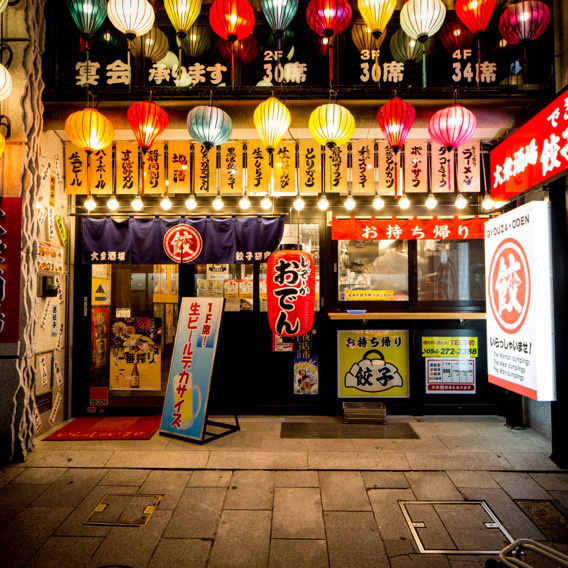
279, 14
88, 15
209, 126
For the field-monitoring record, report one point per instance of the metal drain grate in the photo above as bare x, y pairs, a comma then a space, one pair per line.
120, 510
455, 527
335, 430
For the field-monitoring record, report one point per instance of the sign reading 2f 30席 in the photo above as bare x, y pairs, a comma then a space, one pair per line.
520, 327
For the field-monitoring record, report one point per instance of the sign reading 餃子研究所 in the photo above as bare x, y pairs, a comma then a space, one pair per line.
520, 327
535, 154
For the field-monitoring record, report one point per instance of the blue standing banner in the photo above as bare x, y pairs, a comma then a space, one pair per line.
185, 405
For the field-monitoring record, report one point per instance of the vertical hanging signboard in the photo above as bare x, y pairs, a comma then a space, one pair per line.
520, 325
185, 405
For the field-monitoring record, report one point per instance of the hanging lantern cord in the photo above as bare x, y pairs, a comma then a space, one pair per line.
88, 152
143, 172
478, 71
232, 62
424, 76
330, 55
113, 163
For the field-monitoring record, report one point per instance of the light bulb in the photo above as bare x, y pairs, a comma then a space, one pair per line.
378, 202
166, 203
499, 204
266, 202
349, 203
244, 202
431, 201
323, 203
191, 203
404, 202
299, 203
218, 203
461, 201
90, 204
137, 204
112, 203
487, 203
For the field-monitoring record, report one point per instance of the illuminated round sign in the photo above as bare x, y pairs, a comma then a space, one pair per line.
182, 243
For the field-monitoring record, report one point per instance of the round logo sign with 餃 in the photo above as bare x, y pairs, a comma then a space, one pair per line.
509, 285
183, 243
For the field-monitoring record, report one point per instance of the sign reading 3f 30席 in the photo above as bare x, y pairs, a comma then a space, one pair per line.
520, 328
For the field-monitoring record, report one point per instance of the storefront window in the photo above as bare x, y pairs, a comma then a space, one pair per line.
373, 271
451, 271
234, 282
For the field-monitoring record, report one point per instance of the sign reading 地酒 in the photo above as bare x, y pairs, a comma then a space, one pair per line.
518, 275
536, 153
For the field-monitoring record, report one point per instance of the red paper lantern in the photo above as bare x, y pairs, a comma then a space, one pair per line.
524, 21
245, 51
475, 14
396, 119
232, 19
452, 126
455, 36
329, 17
291, 290
148, 121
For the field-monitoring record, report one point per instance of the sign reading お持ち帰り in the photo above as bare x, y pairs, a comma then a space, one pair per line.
518, 273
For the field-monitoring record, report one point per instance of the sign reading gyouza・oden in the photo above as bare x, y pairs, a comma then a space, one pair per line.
520, 326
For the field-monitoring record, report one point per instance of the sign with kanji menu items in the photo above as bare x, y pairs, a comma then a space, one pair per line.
187, 395
372, 364
533, 155
520, 326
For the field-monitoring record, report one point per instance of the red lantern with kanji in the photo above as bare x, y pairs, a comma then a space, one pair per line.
452, 126
148, 121
475, 14
245, 51
396, 119
455, 36
291, 292
232, 19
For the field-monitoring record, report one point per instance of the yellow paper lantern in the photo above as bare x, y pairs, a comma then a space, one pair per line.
331, 125
3, 5
182, 14
376, 14
89, 129
154, 45
272, 120
363, 39
2, 144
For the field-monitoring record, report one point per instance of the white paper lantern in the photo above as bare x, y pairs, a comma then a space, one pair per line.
5, 83
421, 19
132, 17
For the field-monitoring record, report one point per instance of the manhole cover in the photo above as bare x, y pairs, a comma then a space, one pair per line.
455, 527
118, 510
547, 517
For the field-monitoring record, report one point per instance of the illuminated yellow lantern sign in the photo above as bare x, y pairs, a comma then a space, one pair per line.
376, 14
272, 120
331, 125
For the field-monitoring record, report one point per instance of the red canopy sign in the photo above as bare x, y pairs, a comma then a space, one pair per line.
536, 153
407, 229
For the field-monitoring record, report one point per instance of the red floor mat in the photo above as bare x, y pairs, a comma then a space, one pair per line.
108, 428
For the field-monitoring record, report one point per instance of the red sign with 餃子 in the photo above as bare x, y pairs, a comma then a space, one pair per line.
536, 153
407, 229
10, 257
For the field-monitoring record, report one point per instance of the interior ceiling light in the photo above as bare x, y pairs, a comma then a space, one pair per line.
299, 203
218, 203
244, 202
349, 203
90, 203
404, 202
137, 204
431, 201
323, 203
166, 203
378, 202
191, 202
112, 203
461, 201
266, 202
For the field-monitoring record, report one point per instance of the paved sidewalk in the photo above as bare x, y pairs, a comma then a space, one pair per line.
253, 499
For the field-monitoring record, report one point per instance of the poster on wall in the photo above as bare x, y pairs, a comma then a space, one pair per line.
135, 362
373, 364
101, 279
49, 257
520, 324
100, 333
185, 405
306, 368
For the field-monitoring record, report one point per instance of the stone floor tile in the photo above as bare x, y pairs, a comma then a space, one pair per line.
358, 460
68, 458
134, 477
472, 479
426, 428
343, 491
477, 461
286, 553
27, 533
197, 514
159, 460
297, 513
257, 460
210, 479
388, 513
71, 488
528, 462
19, 496
297, 479
65, 551
251, 490
243, 540
353, 540
420, 561
430, 444
272, 444
520, 485
181, 552
552, 481
432, 486
399, 546
240, 440
510, 515
40, 475
170, 484
493, 444
384, 480
132, 547
8, 474
435, 535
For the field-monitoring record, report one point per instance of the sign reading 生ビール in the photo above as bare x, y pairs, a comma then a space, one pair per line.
520, 330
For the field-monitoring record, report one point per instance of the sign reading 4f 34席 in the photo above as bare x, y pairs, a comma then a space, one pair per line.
520, 327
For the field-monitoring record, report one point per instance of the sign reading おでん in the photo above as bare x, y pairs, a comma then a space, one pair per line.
520, 330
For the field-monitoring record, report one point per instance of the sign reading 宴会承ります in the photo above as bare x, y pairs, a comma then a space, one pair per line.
520, 327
